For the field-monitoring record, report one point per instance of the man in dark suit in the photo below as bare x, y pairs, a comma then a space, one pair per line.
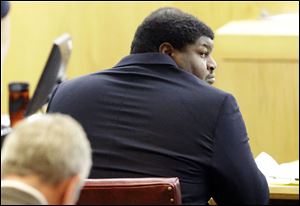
5, 24
5, 5
154, 114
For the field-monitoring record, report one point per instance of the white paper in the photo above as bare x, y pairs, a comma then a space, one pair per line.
285, 173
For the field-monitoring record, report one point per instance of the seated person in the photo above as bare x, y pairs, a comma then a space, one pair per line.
155, 114
5, 24
44, 161
4, 30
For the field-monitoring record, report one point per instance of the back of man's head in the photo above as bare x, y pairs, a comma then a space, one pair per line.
52, 147
168, 25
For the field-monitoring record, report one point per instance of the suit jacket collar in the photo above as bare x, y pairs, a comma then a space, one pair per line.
147, 58
21, 187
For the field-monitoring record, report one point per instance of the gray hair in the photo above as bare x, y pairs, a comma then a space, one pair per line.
53, 146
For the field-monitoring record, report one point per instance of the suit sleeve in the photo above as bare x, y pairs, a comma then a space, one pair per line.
235, 176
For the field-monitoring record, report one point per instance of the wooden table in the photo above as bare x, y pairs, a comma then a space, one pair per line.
285, 192
279, 195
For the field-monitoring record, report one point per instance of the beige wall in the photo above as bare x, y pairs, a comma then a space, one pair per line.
102, 34
268, 96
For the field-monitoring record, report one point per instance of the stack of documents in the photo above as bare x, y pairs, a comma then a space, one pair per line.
283, 174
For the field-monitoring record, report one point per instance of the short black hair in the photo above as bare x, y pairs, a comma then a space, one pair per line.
168, 25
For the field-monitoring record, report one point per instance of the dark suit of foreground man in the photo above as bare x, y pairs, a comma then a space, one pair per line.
156, 114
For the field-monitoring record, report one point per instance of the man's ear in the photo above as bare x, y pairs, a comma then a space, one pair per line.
72, 190
166, 48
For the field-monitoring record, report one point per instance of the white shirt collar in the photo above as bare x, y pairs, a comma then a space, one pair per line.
26, 188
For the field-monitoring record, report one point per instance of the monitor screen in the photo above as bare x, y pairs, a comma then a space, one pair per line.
53, 73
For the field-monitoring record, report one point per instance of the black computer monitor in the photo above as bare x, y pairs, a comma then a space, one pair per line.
53, 73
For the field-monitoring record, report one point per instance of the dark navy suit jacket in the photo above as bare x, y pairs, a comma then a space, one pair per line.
148, 118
